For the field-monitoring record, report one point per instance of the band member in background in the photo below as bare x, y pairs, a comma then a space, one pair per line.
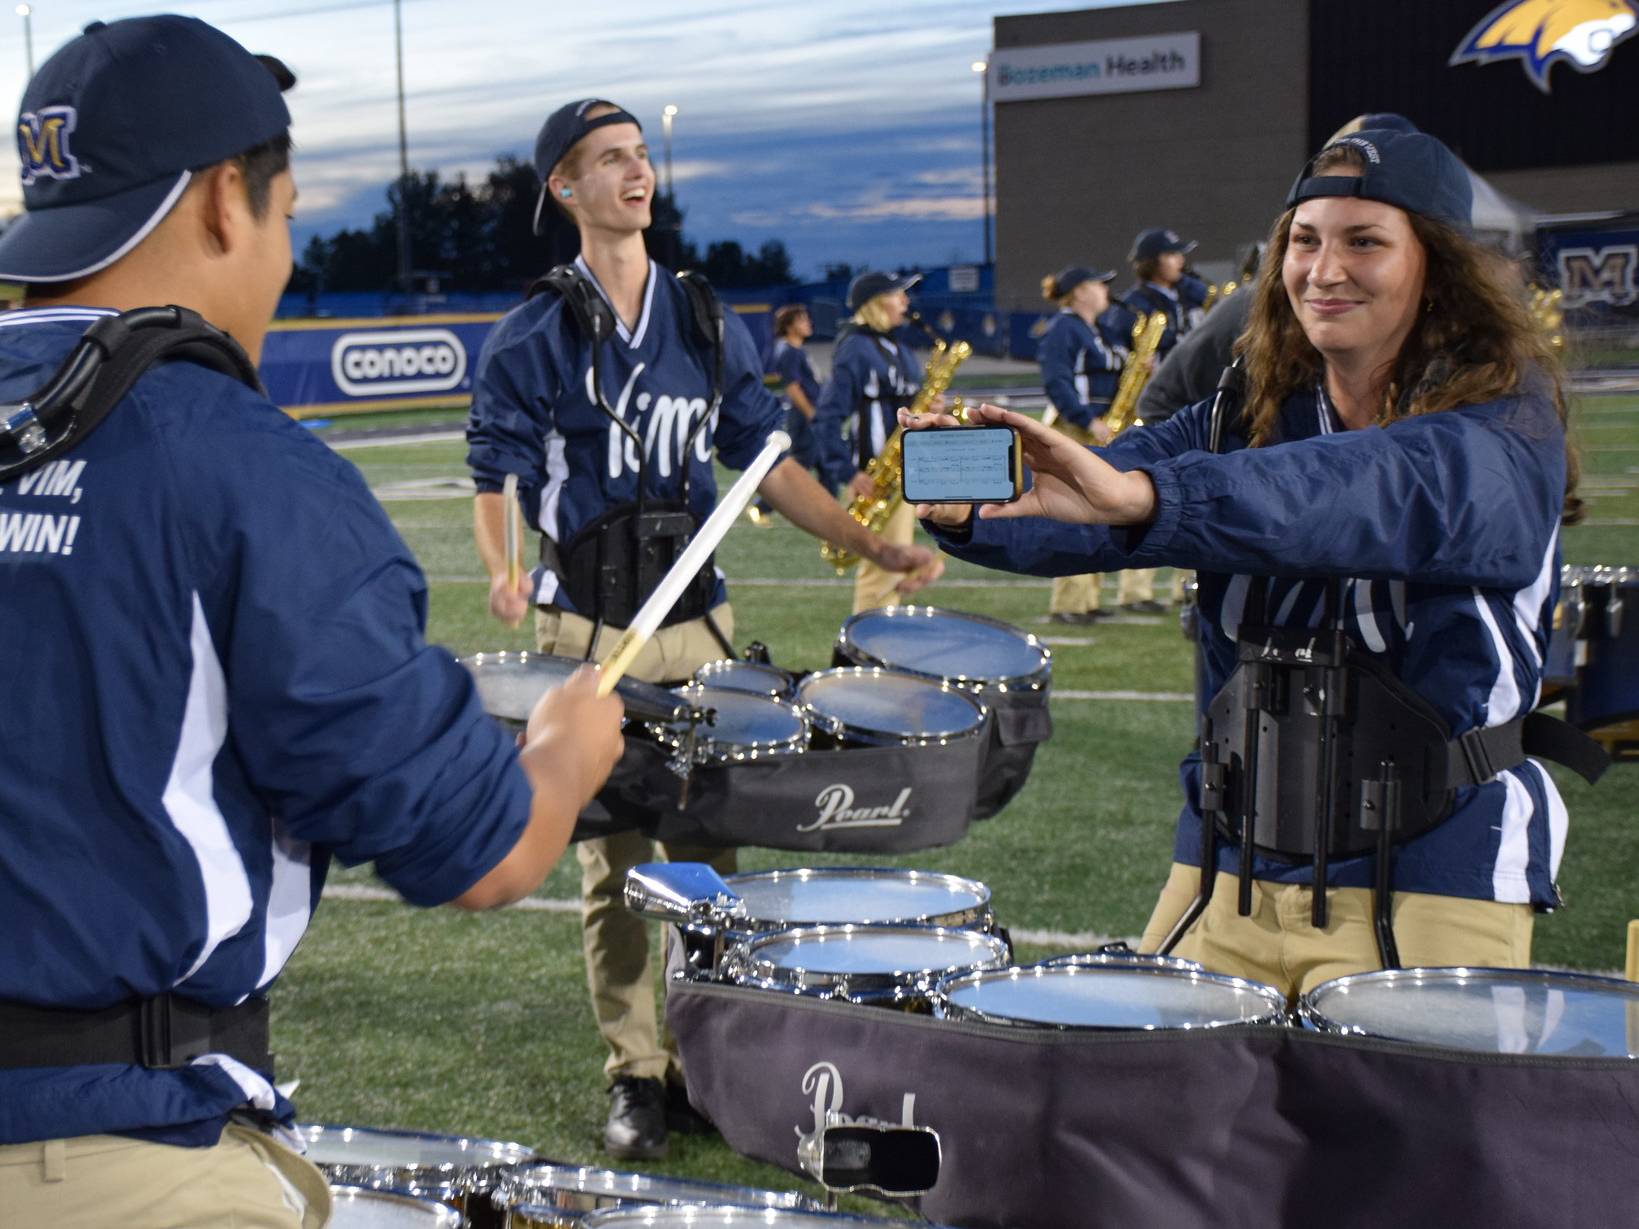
175, 781
1399, 469
1080, 368
533, 415
788, 366
1192, 370
872, 376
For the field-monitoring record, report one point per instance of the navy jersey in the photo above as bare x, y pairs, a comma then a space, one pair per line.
871, 378
1444, 528
1146, 297
534, 415
790, 364
1080, 368
217, 680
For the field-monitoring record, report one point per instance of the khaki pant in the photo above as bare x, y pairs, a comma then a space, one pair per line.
1135, 585
874, 586
1277, 945
247, 1180
1074, 594
615, 940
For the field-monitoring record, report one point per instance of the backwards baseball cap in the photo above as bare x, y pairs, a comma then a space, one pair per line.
563, 128
1152, 243
868, 285
113, 126
1071, 276
1409, 170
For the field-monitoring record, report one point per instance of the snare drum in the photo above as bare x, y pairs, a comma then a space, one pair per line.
1488, 1011
554, 1196
876, 966
355, 1207
509, 684
450, 1168
1125, 995
967, 651
740, 726
728, 1218
753, 676
865, 706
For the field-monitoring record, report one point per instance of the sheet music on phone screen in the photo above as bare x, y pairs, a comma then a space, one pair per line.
962, 465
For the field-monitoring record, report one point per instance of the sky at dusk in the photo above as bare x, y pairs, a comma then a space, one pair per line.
848, 129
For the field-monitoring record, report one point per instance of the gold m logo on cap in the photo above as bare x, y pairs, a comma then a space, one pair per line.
42, 144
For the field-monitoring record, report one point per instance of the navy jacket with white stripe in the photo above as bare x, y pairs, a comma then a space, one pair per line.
1445, 527
213, 680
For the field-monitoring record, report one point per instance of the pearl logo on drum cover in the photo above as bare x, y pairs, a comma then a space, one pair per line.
823, 1084
398, 361
836, 808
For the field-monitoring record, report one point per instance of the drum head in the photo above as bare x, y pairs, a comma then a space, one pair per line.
728, 1218
864, 959
884, 707
752, 676
585, 1188
1113, 996
837, 895
742, 726
968, 650
509, 684
355, 1150
1489, 1011
353, 1207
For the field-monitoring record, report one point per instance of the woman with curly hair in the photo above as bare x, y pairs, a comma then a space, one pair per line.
1398, 476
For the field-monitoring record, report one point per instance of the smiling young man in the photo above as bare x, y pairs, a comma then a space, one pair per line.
218, 679
535, 415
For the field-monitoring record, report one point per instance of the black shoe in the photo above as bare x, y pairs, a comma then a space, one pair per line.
1073, 617
636, 1130
1145, 607
681, 1116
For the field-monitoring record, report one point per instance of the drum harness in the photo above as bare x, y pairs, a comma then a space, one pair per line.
1314, 750
617, 559
168, 1030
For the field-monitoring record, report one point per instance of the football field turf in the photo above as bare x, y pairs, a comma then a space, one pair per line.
480, 1024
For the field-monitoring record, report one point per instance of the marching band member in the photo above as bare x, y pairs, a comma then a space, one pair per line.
1400, 472
872, 376
534, 415
1080, 368
788, 366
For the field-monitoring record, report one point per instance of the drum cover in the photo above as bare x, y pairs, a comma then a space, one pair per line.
509, 684
1123, 996
753, 676
537, 1192
850, 961
353, 1207
1490, 1011
835, 895
885, 708
740, 726
968, 650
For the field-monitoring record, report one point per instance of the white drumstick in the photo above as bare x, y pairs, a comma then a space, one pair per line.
510, 534
671, 586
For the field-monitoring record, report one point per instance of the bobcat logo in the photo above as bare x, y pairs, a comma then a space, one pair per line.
1540, 33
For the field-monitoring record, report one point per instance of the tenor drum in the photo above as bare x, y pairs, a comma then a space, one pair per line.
450, 1168
556, 1196
967, 651
753, 676
728, 1218
864, 706
1126, 996
355, 1207
1566, 648
739, 726
1605, 701
1120, 959
877, 966
1487, 1011
509, 684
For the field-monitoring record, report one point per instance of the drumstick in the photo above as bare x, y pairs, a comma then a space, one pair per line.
510, 531
671, 586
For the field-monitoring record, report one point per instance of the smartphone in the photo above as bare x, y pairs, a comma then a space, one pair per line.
963, 465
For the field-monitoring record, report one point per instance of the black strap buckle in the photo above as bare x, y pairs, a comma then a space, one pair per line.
1477, 755
170, 1033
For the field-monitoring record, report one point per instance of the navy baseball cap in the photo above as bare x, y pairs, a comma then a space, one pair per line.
1152, 243
563, 128
868, 285
1409, 170
112, 127
1071, 276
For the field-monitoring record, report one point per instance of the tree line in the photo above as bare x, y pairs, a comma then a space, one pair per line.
480, 238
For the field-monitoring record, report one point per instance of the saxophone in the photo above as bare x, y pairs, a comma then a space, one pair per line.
1135, 372
887, 468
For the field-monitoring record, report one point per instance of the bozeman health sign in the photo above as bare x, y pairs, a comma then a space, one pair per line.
1109, 66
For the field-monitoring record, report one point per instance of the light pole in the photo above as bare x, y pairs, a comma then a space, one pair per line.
982, 67
667, 113
403, 157
25, 12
